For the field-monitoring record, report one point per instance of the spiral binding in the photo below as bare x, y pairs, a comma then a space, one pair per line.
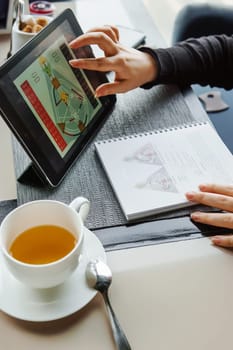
153, 132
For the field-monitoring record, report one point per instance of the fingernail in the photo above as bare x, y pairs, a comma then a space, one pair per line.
71, 62
99, 94
202, 187
195, 216
216, 239
190, 195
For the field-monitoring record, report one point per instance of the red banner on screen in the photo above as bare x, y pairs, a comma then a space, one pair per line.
44, 116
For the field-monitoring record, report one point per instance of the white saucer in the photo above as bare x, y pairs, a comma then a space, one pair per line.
39, 305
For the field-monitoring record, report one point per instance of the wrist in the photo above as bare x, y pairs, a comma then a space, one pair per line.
153, 70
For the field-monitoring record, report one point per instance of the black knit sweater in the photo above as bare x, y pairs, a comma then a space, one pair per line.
206, 61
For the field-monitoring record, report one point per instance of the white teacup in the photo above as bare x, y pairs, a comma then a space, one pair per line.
20, 38
37, 213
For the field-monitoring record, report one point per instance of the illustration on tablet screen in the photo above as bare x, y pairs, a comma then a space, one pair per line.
61, 98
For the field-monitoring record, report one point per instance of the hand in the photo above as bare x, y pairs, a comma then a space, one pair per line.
132, 67
220, 197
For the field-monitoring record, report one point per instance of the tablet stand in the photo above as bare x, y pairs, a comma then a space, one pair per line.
30, 176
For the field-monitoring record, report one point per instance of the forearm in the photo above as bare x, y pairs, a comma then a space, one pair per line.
208, 60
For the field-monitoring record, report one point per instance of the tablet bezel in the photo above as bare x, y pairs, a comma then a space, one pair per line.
11, 115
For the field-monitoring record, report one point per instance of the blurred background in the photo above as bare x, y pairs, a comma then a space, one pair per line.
165, 11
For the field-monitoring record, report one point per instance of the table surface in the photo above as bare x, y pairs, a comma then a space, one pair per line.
168, 296
172, 295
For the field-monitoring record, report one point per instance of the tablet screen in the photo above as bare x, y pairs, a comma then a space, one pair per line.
49, 105
61, 100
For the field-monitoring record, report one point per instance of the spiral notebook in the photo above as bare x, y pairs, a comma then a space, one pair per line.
151, 172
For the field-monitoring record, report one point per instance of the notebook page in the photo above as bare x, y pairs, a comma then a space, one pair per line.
152, 173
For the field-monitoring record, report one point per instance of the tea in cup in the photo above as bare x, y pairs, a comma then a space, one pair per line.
42, 241
42, 244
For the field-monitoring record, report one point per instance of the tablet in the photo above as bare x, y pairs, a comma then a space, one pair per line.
51, 107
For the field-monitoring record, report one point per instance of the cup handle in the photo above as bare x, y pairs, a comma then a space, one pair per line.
82, 206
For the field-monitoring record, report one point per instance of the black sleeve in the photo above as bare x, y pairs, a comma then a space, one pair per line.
205, 61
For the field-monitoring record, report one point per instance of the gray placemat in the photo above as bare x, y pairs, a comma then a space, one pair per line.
136, 111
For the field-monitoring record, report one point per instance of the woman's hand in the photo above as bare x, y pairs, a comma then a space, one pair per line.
220, 197
132, 67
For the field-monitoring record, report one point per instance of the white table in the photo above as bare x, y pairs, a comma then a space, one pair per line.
170, 296
7, 175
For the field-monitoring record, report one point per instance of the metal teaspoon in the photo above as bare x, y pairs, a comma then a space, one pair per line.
99, 276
